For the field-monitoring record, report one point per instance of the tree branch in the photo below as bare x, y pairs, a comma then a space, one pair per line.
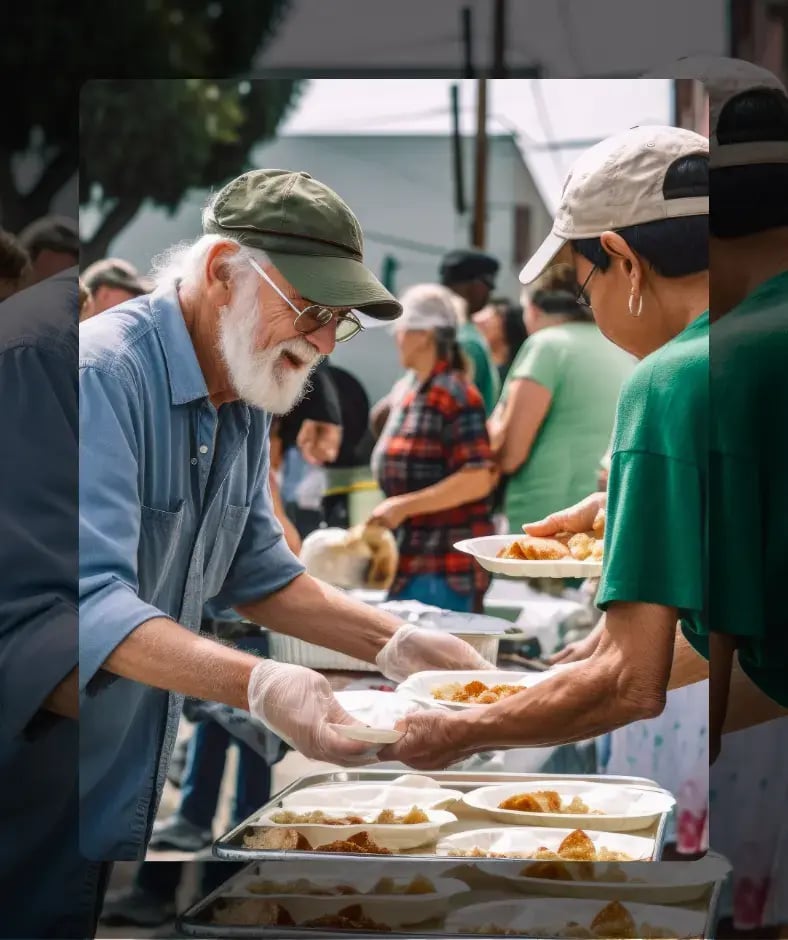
114, 222
54, 177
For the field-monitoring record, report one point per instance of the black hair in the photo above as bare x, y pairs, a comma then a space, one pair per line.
671, 247
14, 260
514, 328
747, 200
449, 350
556, 291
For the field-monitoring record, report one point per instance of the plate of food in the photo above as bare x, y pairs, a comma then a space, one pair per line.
610, 807
548, 845
578, 918
402, 793
395, 899
468, 688
648, 882
524, 556
392, 828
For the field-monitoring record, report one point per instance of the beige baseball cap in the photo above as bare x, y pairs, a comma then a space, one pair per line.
429, 307
725, 79
619, 182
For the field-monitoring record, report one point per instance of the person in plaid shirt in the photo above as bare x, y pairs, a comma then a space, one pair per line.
436, 468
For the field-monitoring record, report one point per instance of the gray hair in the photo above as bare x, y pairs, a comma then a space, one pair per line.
185, 262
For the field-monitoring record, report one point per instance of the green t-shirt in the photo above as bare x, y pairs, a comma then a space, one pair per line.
485, 372
656, 535
748, 512
584, 372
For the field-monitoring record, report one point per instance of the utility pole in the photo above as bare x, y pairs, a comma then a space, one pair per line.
499, 39
480, 181
456, 140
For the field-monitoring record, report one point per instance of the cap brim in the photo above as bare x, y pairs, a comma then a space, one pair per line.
337, 282
541, 261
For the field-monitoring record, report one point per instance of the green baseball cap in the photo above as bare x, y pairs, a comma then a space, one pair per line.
309, 233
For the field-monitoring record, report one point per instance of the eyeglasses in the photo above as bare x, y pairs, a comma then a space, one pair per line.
315, 317
582, 297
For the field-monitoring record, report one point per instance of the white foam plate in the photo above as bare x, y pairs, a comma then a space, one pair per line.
626, 808
394, 837
554, 914
419, 686
367, 735
524, 841
396, 910
485, 550
402, 793
648, 882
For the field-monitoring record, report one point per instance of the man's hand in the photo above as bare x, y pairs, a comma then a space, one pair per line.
391, 513
413, 649
577, 518
433, 740
319, 442
298, 705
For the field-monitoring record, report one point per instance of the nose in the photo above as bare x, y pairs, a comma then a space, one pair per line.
325, 339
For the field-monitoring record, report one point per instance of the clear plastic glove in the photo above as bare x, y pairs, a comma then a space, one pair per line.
413, 649
298, 705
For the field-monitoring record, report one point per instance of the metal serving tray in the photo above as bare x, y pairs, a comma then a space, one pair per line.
231, 848
192, 923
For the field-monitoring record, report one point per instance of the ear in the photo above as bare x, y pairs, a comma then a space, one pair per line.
622, 255
217, 270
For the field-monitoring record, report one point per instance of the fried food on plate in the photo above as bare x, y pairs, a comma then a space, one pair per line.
317, 817
530, 548
540, 801
577, 847
359, 844
474, 693
614, 920
250, 912
276, 840
349, 918
599, 524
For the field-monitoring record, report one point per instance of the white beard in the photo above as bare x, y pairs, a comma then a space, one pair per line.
259, 376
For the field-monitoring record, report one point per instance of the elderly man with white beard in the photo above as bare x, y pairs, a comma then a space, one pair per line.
177, 389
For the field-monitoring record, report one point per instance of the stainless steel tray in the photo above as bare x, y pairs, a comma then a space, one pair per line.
192, 923
231, 848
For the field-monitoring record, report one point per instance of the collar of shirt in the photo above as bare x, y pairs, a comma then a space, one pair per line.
187, 383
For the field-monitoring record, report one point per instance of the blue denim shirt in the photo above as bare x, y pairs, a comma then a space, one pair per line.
175, 511
47, 888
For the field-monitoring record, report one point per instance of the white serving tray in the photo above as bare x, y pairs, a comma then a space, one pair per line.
526, 840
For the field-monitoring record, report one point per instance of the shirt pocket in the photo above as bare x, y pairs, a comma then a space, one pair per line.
160, 532
228, 537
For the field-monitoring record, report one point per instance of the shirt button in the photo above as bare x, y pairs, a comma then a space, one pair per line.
203, 448
194, 461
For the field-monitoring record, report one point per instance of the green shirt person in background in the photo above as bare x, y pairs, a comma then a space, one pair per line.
556, 413
471, 275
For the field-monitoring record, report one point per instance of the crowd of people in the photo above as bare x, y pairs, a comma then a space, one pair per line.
594, 395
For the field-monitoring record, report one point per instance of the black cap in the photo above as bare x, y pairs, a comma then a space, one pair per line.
53, 233
464, 264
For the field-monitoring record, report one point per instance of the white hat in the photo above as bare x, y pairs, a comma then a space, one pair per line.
619, 182
429, 307
724, 79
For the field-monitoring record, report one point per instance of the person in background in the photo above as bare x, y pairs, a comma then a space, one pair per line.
556, 412
503, 326
16, 272
52, 242
436, 470
471, 276
84, 300
112, 281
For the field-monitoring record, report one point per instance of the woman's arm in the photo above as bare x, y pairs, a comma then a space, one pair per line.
513, 428
292, 537
464, 486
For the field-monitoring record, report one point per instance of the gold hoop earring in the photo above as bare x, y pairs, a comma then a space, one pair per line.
632, 311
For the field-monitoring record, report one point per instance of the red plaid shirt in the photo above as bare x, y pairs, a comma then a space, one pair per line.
441, 429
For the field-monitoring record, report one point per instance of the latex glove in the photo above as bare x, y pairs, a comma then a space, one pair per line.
298, 705
577, 518
413, 649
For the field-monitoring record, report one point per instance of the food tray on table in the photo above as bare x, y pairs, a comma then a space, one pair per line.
457, 899
385, 790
